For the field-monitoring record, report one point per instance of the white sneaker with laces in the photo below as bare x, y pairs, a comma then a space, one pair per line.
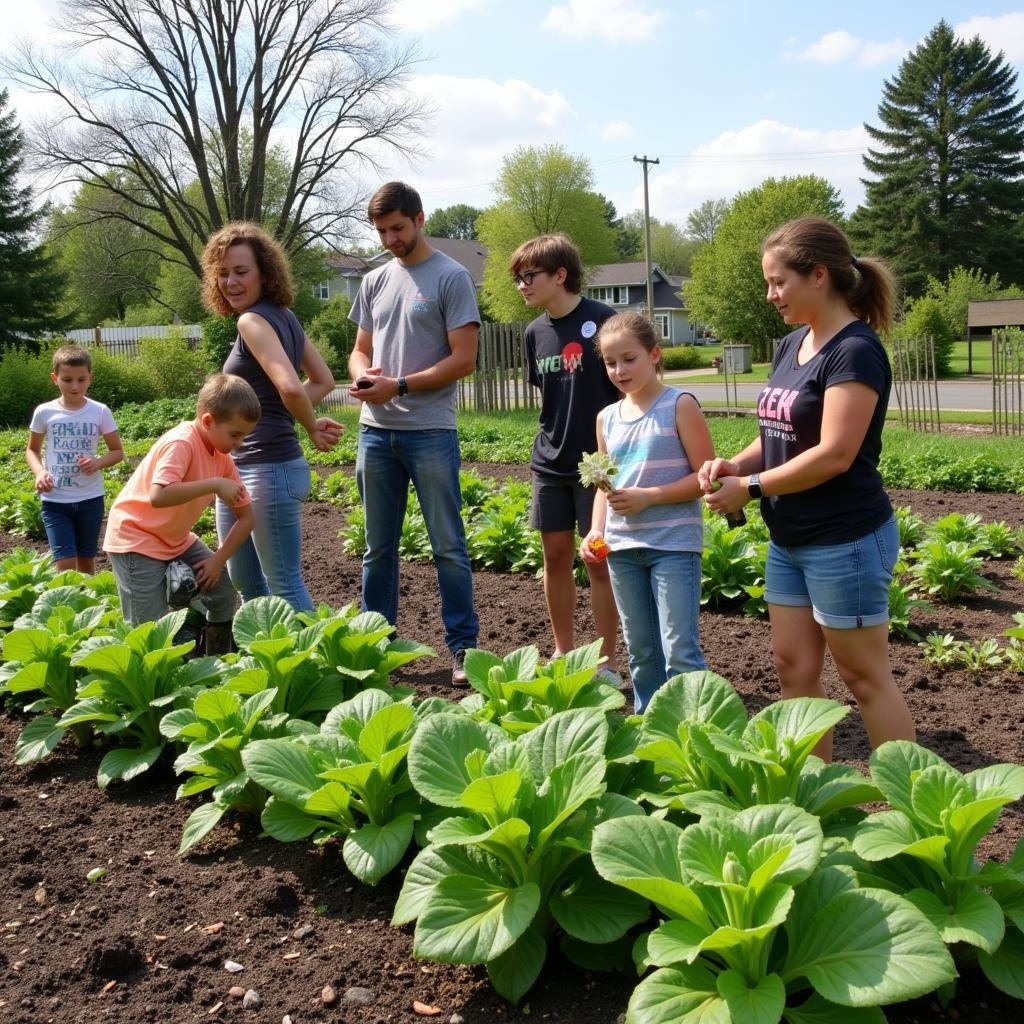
611, 677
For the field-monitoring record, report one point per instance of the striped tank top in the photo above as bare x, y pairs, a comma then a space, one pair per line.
649, 453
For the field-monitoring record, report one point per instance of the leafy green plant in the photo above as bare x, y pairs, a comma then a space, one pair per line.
956, 527
349, 780
518, 692
729, 565
512, 860
44, 642
759, 928
998, 540
1014, 655
983, 658
708, 759
911, 527
903, 602
23, 575
497, 536
22, 515
941, 650
353, 533
1018, 568
948, 570
133, 680
925, 847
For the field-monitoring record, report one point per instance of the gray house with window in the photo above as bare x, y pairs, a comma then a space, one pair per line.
624, 286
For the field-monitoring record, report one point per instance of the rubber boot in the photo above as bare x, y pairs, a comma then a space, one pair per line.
218, 638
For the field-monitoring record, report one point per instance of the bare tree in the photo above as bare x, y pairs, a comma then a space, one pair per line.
703, 222
183, 101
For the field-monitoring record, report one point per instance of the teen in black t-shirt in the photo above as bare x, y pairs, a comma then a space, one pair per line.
814, 466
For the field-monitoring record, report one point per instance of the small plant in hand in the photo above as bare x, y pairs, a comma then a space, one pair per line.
596, 470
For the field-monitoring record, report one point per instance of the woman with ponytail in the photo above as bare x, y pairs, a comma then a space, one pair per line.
814, 466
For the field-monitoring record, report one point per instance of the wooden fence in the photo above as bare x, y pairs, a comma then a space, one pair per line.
1007, 376
915, 380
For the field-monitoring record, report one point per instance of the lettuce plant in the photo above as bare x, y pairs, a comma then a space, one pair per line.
216, 728
44, 642
23, 575
512, 861
926, 848
519, 693
758, 929
710, 759
729, 565
949, 570
350, 779
133, 680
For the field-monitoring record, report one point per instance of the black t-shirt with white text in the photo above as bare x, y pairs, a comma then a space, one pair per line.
789, 414
562, 360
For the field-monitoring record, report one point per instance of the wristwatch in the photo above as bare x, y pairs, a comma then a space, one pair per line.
754, 487
403, 387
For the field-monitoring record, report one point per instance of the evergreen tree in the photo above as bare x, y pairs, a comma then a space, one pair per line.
946, 187
31, 286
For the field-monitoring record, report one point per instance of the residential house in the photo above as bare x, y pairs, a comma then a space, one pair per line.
624, 286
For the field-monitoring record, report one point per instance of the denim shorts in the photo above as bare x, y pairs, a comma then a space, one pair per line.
846, 585
560, 503
73, 527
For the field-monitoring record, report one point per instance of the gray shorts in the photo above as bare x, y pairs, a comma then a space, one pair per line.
560, 503
142, 586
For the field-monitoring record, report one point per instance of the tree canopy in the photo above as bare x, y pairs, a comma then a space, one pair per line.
541, 190
180, 110
727, 288
670, 247
946, 184
704, 221
458, 221
31, 285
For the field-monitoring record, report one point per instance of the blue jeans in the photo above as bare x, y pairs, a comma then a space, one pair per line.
658, 597
386, 461
269, 562
73, 527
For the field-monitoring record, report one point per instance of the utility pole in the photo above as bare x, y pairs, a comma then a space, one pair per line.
647, 234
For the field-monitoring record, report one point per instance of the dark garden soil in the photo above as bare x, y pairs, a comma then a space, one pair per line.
149, 942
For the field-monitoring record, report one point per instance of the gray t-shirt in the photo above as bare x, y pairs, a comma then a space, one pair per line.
409, 311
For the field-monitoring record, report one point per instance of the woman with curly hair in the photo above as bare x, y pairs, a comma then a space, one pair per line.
246, 273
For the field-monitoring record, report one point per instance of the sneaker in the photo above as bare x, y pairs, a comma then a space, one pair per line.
610, 676
459, 677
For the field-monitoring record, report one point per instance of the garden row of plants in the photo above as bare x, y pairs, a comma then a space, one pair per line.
734, 870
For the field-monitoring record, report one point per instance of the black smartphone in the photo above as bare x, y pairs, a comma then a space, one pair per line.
364, 382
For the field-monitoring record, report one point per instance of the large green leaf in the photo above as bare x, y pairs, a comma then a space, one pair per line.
569, 785
753, 1004
217, 704
372, 851
438, 754
113, 660
257, 619
976, 919
283, 767
38, 739
1005, 967
937, 790
801, 721
867, 947
513, 973
583, 730
894, 765
494, 796
997, 780
817, 1010
596, 911
692, 697
430, 866
126, 763
288, 823
890, 833
469, 920
27, 645
28, 678
678, 995
200, 823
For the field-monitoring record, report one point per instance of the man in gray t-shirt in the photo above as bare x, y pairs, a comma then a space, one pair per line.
418, 324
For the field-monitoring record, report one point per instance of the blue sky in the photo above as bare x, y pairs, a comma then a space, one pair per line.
724, 93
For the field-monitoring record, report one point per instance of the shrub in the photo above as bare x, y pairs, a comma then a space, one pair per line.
117, 380
332, 331
924, 319
24, 384
175, 368
219, 333
683, 357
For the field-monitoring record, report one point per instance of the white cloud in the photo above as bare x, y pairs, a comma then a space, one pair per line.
614, 20
840, 46
1004, 32
616, 131
739, 160
476, 123
431, 15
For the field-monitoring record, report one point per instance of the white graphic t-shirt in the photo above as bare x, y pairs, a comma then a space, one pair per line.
67, 434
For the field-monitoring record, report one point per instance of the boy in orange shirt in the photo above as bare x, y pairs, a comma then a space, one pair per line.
150, 523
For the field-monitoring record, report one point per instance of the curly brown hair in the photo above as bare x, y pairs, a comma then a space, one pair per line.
278, 286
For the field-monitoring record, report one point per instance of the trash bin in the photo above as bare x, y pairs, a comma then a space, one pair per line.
737, 358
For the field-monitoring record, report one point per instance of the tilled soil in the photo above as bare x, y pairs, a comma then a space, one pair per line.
148, 943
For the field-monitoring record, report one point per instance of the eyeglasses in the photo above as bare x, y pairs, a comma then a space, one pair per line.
526, 277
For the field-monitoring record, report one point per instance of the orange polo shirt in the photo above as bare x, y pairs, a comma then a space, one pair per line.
179, 456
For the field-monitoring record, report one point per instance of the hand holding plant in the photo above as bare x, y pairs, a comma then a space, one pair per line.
596, 470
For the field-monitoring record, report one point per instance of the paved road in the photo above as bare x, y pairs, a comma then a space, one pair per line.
952, 394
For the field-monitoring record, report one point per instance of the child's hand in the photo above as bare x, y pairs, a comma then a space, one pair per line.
89, 464
208, 572
229, 491
629, 501
593, 547
714, 469
44, 483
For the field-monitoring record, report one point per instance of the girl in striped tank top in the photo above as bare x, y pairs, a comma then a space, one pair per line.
653, 520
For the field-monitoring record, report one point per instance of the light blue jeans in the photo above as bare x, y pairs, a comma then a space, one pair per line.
269, 562
386, 461
658, 597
